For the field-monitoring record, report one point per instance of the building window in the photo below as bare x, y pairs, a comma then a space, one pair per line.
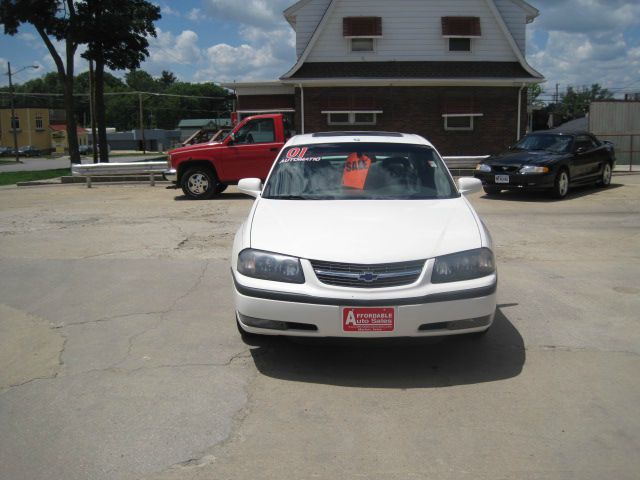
352, 117
459, 31
459, 44
362, 26
39, 123
15, 123
461, 27
362, 32
460, 121
362, 44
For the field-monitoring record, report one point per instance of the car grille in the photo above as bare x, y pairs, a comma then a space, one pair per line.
368, 276
505, 168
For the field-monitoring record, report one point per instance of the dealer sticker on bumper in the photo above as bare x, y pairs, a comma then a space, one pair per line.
368, 319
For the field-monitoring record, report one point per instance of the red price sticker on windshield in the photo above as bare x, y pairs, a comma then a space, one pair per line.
356, 170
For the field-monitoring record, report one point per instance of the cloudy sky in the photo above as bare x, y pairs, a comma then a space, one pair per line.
573, 42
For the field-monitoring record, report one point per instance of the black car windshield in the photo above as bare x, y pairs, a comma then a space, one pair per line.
349, 171
548, 142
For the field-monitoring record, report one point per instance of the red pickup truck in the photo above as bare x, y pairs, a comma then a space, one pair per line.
205, 169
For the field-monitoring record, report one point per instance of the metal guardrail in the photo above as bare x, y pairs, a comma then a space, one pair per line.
152, 169
459, 166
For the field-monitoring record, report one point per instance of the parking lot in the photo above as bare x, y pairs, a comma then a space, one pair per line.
120, 359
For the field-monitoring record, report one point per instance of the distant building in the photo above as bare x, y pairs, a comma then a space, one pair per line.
190, 126
156, 140
32, 127
59, 141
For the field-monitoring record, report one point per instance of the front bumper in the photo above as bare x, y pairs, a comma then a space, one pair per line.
170, 175
437, 314
518, 181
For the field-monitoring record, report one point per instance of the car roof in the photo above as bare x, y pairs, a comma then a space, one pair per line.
357, 136
567, 133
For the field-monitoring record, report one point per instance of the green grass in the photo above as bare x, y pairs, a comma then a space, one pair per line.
11, 178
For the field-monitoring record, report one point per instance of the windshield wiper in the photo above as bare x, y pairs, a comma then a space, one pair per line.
288, 197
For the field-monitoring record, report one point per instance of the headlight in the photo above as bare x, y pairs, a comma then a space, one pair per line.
482, 167
533, 169
463, 266
270, 266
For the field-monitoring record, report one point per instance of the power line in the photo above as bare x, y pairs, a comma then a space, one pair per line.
154, 94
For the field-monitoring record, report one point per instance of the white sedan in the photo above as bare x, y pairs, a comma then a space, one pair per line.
362, 234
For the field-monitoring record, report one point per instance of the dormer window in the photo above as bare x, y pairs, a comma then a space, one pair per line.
459, 31
362, 32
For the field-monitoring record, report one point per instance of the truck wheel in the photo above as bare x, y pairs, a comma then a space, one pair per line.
199, 183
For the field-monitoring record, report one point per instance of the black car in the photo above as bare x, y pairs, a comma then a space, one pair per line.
29, 151
549, 161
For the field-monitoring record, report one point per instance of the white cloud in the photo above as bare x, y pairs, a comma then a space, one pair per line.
167, 10
260, 13
228, 63
586, 43
168, 49
22, 75
581, 59
195, 15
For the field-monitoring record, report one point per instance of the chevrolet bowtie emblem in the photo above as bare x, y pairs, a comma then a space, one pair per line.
368, 277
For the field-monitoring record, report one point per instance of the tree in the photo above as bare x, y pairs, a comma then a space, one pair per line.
53, 20
575, 103
533, 95
116, 33
167, 78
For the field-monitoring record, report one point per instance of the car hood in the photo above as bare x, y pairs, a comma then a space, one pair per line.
199, 147
364, 231
523, 157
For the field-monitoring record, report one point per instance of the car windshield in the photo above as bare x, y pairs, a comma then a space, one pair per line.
349, 171
551, 143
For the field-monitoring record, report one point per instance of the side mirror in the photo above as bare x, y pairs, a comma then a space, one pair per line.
469, 185
581, 150
250, 186
231, 138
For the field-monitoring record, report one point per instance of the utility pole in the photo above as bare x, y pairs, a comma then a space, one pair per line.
14, 127
92, 97
13, 116
144, 148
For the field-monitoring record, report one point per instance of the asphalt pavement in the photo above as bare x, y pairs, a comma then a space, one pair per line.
119, 356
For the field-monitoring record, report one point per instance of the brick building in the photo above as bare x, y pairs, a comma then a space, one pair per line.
453, 72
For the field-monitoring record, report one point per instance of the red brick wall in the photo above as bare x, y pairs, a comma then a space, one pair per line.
265, 102
419, 110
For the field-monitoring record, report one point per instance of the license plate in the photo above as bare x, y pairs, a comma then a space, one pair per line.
502, 178
379, 319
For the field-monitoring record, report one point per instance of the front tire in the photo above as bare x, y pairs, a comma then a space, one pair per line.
605, 178
561, 185
492, 190
199, 183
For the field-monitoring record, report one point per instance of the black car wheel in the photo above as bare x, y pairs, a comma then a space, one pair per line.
199, 183
492, 190
561, 184
605, 178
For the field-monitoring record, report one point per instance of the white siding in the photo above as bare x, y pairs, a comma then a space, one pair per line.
412, 32
307, 19
516, 19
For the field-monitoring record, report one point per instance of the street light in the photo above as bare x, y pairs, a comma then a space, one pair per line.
13, 111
